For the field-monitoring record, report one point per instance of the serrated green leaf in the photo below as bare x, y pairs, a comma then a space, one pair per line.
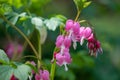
86, 4
3, 57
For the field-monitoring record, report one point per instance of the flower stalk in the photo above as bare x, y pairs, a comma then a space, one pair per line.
77, 16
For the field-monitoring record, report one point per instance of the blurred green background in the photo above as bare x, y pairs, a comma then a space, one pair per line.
104, 15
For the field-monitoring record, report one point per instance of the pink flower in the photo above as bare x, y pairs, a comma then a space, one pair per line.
87, 32
73, 29
67, 42
94, 46
69, 24
43, 75
84, 34
72, 26
63, 59
9, 50
12, 49
59, 40
63, 43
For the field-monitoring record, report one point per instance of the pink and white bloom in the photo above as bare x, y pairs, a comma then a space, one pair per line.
84, 34
42, 75
63, 42
63, 59
73, 29
74, 34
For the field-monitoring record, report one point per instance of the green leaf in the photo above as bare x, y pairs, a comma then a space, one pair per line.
35, 39
28, 27
6, 72
16, 3
61, 17
52, 23
3, 57
80, 4
21, 71
43, 34
12, 17
38, 22
32, 66
86, 4
5, 8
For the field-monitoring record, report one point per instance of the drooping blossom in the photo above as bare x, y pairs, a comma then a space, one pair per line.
63, 42
94, 45
72, 28
63, 59
74, 33
42, 75
85, 33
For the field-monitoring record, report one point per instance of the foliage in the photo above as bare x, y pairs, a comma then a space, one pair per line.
30, 16
12, 68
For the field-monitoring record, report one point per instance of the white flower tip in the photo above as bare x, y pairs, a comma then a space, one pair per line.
82, 41
66, 68
74, 45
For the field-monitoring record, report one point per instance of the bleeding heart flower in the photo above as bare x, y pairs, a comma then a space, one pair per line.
42, 75
94, 46
63, 59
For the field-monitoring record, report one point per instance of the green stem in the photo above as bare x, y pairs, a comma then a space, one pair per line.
30, 56
53, 66
52, 74
39, 52
17, 29
77, 16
